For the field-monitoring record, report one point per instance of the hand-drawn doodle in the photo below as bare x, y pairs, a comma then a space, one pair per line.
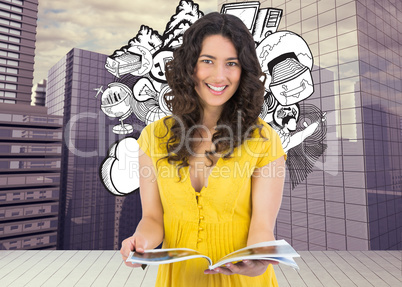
287, 61
260, 22
268, 107
147, 38
139, 67
310, 132
267, 23
119, 171
284, 57
186, 14
246, 11
117, 102
135, 60
160, 59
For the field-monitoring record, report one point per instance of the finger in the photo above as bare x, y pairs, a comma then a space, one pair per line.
140, 244
234, 268
223, 270
267, 262
126, 248
273, 262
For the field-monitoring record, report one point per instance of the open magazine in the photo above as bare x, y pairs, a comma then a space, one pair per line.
278, 250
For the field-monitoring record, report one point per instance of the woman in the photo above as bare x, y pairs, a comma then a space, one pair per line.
212, 174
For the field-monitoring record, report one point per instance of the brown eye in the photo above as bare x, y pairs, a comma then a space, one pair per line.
232, 64
207, 61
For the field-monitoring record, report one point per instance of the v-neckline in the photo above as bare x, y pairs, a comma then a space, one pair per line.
208, 177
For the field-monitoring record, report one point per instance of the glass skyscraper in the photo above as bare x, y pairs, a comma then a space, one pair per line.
89, 214
353, 198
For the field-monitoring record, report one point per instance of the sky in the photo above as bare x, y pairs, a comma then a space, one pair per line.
97, 25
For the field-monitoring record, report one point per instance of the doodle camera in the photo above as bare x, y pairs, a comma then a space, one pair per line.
117, 103
287, 61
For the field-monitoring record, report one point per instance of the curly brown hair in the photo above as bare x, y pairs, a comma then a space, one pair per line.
184, 102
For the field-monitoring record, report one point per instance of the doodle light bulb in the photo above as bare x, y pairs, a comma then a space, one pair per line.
117, 103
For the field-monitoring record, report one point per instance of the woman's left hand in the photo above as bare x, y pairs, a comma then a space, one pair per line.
250, 268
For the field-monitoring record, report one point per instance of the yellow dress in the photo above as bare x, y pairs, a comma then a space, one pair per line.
216, 221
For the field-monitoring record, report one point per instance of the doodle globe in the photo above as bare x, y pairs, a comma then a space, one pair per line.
116, 101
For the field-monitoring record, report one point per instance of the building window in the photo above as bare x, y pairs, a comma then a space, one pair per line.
9, 46
10, 23
12, 63
7, 101
10, 15
8, 78
9, 62
12, 71
12, 8
9, 54
8, 70
11, 87
10, 95
18, 2
13, 39
10, 39
10, 31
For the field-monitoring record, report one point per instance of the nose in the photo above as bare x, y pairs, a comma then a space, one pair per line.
220, 72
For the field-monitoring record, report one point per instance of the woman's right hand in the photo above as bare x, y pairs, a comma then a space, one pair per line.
135, 242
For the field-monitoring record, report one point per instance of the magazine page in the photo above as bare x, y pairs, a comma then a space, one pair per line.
284, 260
278, 250
162, 256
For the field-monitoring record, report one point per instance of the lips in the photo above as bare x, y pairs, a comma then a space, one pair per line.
216, 89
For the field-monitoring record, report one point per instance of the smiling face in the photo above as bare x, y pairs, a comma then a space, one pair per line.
217, 72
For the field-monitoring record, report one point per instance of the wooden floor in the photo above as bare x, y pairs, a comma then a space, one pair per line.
105, 268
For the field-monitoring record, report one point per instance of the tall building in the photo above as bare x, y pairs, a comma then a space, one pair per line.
89, 213
30, 159
39, 94
17, 49
353, 198
38, 97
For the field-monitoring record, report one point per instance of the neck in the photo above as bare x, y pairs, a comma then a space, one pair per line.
210, 117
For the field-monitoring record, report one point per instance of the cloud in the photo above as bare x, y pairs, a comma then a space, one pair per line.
120, 171
96, 25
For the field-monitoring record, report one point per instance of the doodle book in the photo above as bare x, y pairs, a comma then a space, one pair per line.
278, 250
